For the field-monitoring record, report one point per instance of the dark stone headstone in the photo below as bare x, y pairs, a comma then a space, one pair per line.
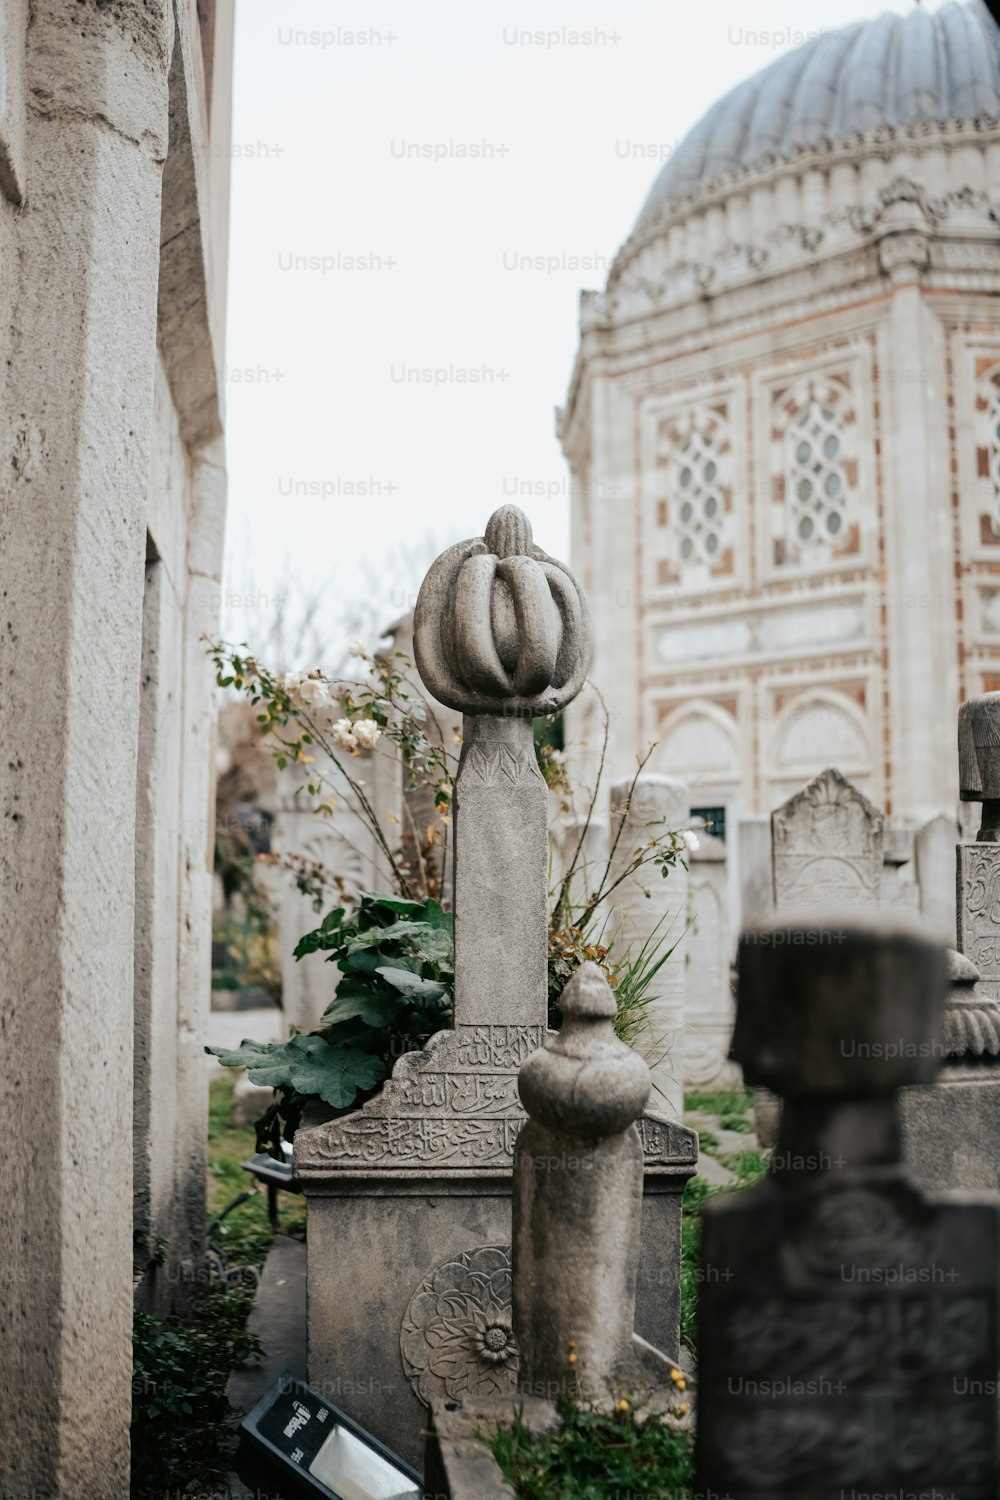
848, 1320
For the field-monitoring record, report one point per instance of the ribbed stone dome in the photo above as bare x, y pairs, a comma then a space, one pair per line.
891, 71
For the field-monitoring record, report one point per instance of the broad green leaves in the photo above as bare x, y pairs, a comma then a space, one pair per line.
309, 1065
396, 960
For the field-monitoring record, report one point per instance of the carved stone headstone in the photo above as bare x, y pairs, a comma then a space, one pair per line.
979, 862
951, 1130
849, 1326
409, 1223
827, 843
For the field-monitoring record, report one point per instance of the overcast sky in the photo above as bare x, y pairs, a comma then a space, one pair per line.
385, 194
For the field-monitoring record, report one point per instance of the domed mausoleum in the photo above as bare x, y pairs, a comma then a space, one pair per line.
784, 426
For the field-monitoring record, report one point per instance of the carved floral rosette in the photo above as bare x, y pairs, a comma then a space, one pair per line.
457, 1338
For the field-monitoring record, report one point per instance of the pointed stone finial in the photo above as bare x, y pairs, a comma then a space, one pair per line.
500, 627
584, 1082
979, 760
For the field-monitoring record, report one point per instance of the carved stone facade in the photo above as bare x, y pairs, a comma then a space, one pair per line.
791, 387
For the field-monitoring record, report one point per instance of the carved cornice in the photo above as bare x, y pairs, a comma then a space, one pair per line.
881, 143
902, 221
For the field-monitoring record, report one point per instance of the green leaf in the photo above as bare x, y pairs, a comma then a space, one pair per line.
411, 985
247, 1055
336, 1074
393, 904
354, 999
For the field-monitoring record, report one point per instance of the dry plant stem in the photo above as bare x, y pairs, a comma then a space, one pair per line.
603, 892
421, 863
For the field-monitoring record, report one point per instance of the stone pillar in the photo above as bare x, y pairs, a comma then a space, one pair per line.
578, 1171
654, 911
78, 317
838, 1297
918, 566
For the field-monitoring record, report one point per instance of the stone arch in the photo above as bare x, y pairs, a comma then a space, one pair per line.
817, 728
698, 741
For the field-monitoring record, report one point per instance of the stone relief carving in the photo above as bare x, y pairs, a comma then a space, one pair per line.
457, 1337
827, 846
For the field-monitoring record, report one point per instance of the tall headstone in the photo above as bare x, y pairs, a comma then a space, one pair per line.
979, 861
934, 858
709, 1009
827, 843
849, 1326
951, 1130
409, 1196
647, 910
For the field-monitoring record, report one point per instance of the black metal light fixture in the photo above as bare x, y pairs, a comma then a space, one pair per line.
300, 1446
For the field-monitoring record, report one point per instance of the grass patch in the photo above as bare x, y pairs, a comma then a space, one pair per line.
749, 1166
737, 1122
245, 1235
594, 1454
707, 1142
722, 1102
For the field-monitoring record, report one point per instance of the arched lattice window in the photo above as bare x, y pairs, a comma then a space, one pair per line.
814, 479
695, 455
817, 480
988, 455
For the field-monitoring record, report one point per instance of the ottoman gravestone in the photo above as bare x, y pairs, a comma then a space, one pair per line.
848, 1320
951, 1129
409, 1196
827, 846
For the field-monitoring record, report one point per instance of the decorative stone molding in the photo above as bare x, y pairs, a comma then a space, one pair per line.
457, 1337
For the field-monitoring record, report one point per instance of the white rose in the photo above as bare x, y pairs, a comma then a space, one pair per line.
343, 733
691, 840
314, 694
358, 648
367, 733
290, 682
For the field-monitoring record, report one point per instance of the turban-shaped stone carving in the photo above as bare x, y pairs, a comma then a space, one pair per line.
501, 627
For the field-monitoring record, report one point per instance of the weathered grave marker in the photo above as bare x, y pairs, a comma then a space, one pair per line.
409, 1242
951, 1129
848, 1321
979, 862
827, 847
